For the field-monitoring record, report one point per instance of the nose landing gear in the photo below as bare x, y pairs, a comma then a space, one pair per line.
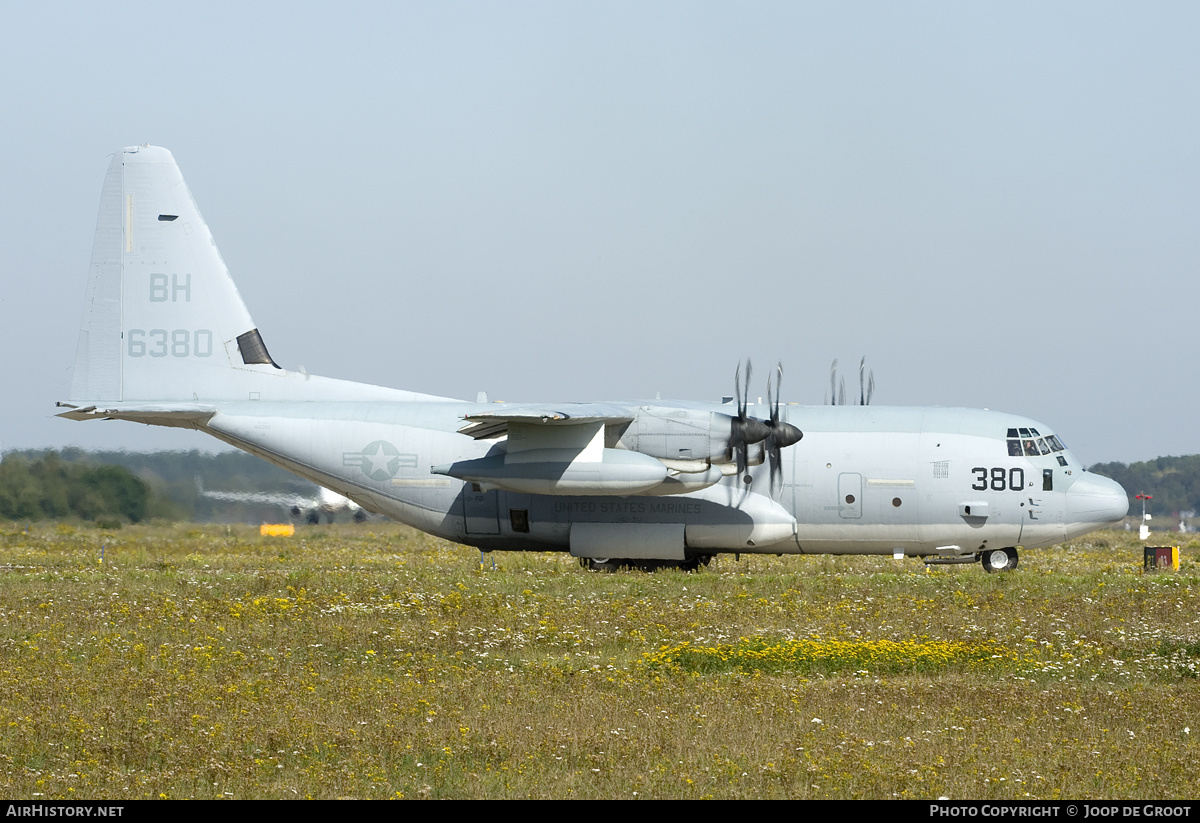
998, 560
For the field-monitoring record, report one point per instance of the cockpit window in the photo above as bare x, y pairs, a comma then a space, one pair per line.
1028, 443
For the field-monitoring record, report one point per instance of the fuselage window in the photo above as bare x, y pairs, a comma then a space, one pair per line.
1014, 448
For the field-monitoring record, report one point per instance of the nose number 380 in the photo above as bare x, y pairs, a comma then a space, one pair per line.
998, 479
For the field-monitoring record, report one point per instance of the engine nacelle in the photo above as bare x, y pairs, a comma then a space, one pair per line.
675, 434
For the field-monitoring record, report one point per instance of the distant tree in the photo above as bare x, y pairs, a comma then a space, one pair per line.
48, 487
1172, 482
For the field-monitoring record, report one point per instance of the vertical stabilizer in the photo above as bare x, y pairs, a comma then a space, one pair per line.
163, 319
164, 324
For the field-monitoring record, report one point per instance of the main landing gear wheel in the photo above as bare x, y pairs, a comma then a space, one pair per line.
998, 560
695, 562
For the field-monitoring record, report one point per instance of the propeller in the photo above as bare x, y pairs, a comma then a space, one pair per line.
745, 430
837, 386
781, 434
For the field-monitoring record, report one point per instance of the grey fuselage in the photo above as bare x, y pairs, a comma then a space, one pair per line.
864, 480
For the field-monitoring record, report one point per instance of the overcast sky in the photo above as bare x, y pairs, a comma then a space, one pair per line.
998, 204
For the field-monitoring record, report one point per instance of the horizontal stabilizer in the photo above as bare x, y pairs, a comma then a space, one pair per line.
186, 416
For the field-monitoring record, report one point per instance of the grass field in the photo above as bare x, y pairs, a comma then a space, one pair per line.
371, 661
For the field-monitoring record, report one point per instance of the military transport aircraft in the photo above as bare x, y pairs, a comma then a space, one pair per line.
308, 506
167, 341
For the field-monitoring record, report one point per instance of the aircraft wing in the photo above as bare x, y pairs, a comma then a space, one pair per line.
557, 449
491, 424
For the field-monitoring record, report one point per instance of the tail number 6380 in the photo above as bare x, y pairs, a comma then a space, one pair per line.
172, 342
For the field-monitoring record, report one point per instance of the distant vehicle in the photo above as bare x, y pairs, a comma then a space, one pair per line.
308, 507
166, 340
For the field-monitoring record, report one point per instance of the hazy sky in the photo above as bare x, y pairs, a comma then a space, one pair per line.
998, 204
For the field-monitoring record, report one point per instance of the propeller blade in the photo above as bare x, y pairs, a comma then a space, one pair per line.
746, 388
737, 388
862, 385
777, 466
778, 387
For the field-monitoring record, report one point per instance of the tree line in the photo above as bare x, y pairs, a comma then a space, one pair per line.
1172, 482
117, 486
49, 487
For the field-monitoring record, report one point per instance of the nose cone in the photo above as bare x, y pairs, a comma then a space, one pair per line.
1094, 502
